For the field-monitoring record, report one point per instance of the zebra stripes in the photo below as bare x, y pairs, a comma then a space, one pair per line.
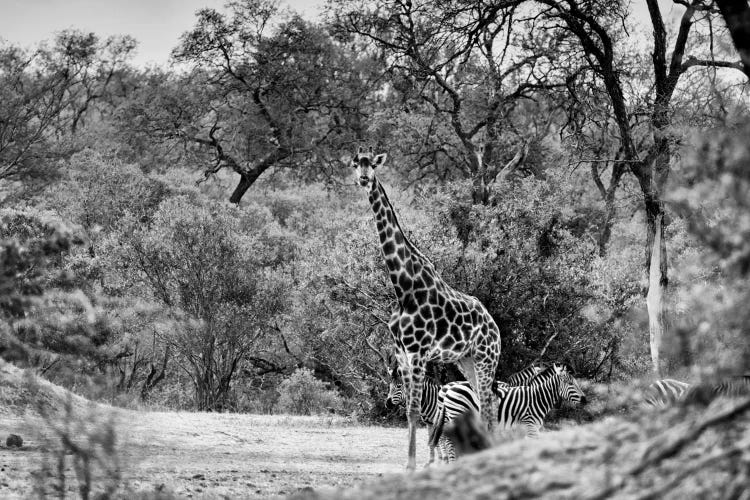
529, 405
428, 409
523, 376
665, 391
433, 396
524, 405
668, 391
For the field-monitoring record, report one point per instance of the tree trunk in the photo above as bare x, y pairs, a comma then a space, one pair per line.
657, 288
736, 13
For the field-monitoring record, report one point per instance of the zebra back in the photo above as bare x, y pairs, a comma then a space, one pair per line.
665, 391
734, 386
519, 378
522, 377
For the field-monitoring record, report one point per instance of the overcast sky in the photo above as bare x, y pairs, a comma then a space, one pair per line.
156, 24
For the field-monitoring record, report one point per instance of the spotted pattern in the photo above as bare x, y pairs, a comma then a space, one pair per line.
433, 321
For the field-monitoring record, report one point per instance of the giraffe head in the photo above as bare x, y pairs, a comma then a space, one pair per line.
365, 164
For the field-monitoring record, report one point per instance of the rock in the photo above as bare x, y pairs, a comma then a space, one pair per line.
468, 434
14, 441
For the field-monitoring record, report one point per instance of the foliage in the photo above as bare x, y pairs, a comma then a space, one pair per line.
49, 93
220, 271
302, 394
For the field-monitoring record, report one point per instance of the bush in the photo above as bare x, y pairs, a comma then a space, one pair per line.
302, 394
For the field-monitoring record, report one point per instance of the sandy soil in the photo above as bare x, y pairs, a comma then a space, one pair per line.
205, 455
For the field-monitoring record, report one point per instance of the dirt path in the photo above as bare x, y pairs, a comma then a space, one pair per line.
208, 455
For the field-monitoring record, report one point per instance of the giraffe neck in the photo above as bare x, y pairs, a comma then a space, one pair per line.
408, 268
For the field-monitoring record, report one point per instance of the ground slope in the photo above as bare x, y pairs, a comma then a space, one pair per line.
200, 455
685, 452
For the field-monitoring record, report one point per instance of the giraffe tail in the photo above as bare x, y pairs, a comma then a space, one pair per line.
437, 429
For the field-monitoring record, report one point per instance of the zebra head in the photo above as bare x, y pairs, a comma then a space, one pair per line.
396, 394
569, 389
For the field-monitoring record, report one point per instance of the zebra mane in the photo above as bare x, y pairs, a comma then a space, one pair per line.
547, 372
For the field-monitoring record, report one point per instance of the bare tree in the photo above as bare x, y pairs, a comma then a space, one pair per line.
471, 63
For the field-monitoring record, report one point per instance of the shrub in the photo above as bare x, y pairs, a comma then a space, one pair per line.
302, 394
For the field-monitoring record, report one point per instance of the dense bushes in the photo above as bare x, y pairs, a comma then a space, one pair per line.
302, 394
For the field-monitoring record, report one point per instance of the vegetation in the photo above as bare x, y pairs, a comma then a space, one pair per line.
194, 240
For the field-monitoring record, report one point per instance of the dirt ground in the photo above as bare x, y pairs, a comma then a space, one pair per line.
209, 455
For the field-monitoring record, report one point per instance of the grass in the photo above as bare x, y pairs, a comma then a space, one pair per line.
209, 455
206, 455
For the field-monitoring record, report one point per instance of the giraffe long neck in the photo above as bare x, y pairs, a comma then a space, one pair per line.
410, 271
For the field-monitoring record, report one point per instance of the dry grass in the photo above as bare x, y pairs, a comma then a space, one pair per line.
685, 452
208, 455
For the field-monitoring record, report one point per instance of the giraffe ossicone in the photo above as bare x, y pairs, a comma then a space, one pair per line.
433, 322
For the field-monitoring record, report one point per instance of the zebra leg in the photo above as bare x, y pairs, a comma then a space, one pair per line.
532, 428
449, 451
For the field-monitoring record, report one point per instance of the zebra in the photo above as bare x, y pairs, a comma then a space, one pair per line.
665, 391
736, 386
668, 391
522, 377
428, 410
432, 399
525, 405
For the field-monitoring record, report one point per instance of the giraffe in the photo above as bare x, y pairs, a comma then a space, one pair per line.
433, 322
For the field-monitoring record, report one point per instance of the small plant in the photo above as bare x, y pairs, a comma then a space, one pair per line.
302, 394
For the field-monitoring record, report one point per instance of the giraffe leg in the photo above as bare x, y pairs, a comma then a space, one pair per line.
413, 415
485, 373
466, 367
430, 427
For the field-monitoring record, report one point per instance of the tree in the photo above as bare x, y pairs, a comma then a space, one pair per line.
219, 270
592, 25
471, 64
47, 93
262, 92
736, 14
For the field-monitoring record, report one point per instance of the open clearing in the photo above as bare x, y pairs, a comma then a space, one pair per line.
209, 455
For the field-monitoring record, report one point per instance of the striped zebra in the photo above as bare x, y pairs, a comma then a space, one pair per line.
736, 386
428, 409
523, 405
669, 391
523, 377
432, 399
665, 391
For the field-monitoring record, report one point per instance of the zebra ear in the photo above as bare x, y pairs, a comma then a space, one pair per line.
394, 372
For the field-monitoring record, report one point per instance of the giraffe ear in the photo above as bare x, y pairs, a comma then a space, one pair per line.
379, 160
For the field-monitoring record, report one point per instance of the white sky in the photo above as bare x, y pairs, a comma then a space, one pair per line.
155, 24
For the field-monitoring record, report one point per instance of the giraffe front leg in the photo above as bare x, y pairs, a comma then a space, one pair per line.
430, 427
413, 415
487, 400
